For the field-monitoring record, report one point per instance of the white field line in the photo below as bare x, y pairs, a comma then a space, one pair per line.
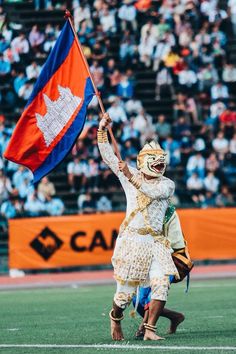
116, 346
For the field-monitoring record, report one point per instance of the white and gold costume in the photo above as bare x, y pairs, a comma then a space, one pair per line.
142, 254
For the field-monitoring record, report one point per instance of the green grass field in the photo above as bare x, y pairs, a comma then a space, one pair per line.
68, 316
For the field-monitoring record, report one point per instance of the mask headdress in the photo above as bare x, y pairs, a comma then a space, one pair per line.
151, 160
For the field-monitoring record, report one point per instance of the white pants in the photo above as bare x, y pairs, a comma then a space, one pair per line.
159, 284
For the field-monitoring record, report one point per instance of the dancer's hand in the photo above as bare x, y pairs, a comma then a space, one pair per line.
105, 121
123, 167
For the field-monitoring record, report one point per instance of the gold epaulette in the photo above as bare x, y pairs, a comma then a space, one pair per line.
102, 136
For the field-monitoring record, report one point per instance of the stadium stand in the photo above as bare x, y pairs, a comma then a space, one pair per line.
165, 69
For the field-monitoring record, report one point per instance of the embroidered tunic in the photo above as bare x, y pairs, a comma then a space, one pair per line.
141, 239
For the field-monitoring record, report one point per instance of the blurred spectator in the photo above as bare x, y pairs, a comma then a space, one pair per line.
77, 171
232, 145
219, 92
5, 187
195, 187
88, 205
33, 70
81, 13
34, 206
128, 49
3, 16
108, 22
125, 88
20, 175
129, 150
229, 73
225, 198
93, 175
19, 81
36, 38
162, 49
211, 183
130, 132
187, 80
127, 15
171, 59
54, 206
229, 76
228, 116
133, 105
220, 144
172, 148
199, 144
208, 201
212, 164
25, 189
20, 45
196, 164
11, 208
232, 7
97, 72
181, 128
217, 108
207, 77
5, 67
49, 42
164, 82
117, 111
46, 189
104, 204
26, 89
145, 49
185, 106
42, 4
142, 124
163, 128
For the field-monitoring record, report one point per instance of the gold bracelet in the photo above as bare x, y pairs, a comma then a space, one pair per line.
116, 319
135, 182
102, 136
150, 327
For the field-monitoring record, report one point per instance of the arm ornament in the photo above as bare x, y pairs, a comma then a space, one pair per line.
102, 136
135, 182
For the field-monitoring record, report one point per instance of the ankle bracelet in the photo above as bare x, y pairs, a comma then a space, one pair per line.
150, 327
116, 319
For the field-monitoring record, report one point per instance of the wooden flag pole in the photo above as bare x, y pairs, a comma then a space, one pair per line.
97, 93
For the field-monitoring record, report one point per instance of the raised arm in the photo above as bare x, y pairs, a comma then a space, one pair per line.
105, 148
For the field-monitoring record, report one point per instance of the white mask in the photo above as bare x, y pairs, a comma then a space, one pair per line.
151, 160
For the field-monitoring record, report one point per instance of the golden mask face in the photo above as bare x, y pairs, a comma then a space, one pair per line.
152, 164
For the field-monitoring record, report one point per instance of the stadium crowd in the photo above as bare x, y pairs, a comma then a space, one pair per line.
185, 44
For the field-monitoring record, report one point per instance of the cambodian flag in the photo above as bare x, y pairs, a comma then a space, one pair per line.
55, 113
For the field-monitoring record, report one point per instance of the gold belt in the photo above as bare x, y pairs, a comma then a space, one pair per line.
158, 236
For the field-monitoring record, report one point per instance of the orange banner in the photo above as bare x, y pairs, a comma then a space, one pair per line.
68, 241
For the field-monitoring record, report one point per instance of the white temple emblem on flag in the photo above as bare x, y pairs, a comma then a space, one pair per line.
58, 113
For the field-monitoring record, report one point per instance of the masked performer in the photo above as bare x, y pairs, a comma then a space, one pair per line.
142, 254
172, 230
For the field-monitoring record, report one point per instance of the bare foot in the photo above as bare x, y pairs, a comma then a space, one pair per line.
116, 331
150, 335
175, 323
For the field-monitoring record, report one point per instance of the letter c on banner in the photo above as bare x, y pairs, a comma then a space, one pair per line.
73, 241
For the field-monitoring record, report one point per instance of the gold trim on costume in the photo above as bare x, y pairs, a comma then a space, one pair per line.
152, 152
102, 136
135, 182
129, 282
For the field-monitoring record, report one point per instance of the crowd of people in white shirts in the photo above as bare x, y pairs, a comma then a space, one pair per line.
185, 43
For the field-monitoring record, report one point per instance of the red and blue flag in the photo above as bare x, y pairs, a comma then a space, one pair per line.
55, 113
